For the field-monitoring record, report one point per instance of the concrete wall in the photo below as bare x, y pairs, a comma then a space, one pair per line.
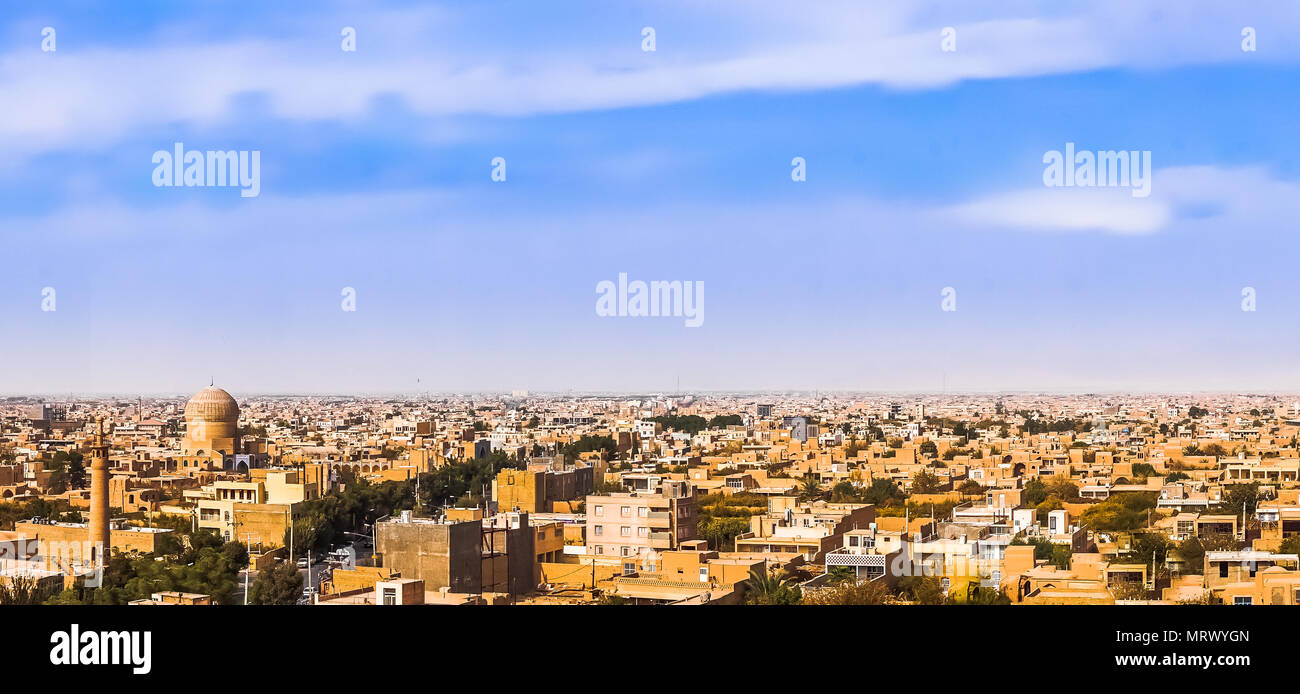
439, 554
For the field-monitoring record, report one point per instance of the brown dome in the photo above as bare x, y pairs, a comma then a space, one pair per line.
212, 405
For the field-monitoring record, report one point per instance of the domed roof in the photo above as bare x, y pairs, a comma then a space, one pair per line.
213, 405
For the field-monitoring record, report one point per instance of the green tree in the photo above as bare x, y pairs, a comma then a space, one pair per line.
1290, 545
727, 420
1035, 492
22, 590
840, 574
76, 471
769, 588
1061, 555
57, 466
926, 482
721, 532
883, 492
1143, 470
844, 491
1120, 512
1240, 497
1065, 489
1192, 552
691, 424
1147, 547
924, 590
279, 585
810, 488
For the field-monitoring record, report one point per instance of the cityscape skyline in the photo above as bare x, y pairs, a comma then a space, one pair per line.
924, 173
415, 395
917, 307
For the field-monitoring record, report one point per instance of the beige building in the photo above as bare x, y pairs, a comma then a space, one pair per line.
257, 511
809, 529
632, 524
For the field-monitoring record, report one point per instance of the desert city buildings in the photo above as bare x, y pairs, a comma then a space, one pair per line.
656, 499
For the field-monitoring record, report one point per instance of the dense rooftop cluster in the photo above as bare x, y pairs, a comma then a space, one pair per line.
652, 499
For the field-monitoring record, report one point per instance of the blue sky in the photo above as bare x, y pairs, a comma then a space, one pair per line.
924, 172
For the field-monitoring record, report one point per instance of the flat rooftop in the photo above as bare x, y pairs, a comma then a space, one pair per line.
1250, 555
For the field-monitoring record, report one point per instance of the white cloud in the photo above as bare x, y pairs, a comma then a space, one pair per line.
1069, 209
1246, 195
445, 64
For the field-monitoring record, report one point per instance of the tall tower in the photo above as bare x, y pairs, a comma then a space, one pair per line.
99, 540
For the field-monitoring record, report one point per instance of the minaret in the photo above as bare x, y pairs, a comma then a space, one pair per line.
99, 540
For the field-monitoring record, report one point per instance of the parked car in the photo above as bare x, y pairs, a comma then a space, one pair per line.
302, 563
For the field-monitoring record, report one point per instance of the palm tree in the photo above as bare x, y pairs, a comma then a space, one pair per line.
809, 488
769, 588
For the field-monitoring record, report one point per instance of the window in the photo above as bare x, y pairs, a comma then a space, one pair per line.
1223, 570
625, 531
600, 510
600, 550
390, 596
643, 511
1242, 600
627, 551
626, 511
704, 574
600, 530
629, 567
643, 532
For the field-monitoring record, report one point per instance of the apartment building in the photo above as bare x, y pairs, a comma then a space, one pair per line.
808, 529
255, 511
872, 554
631, 524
